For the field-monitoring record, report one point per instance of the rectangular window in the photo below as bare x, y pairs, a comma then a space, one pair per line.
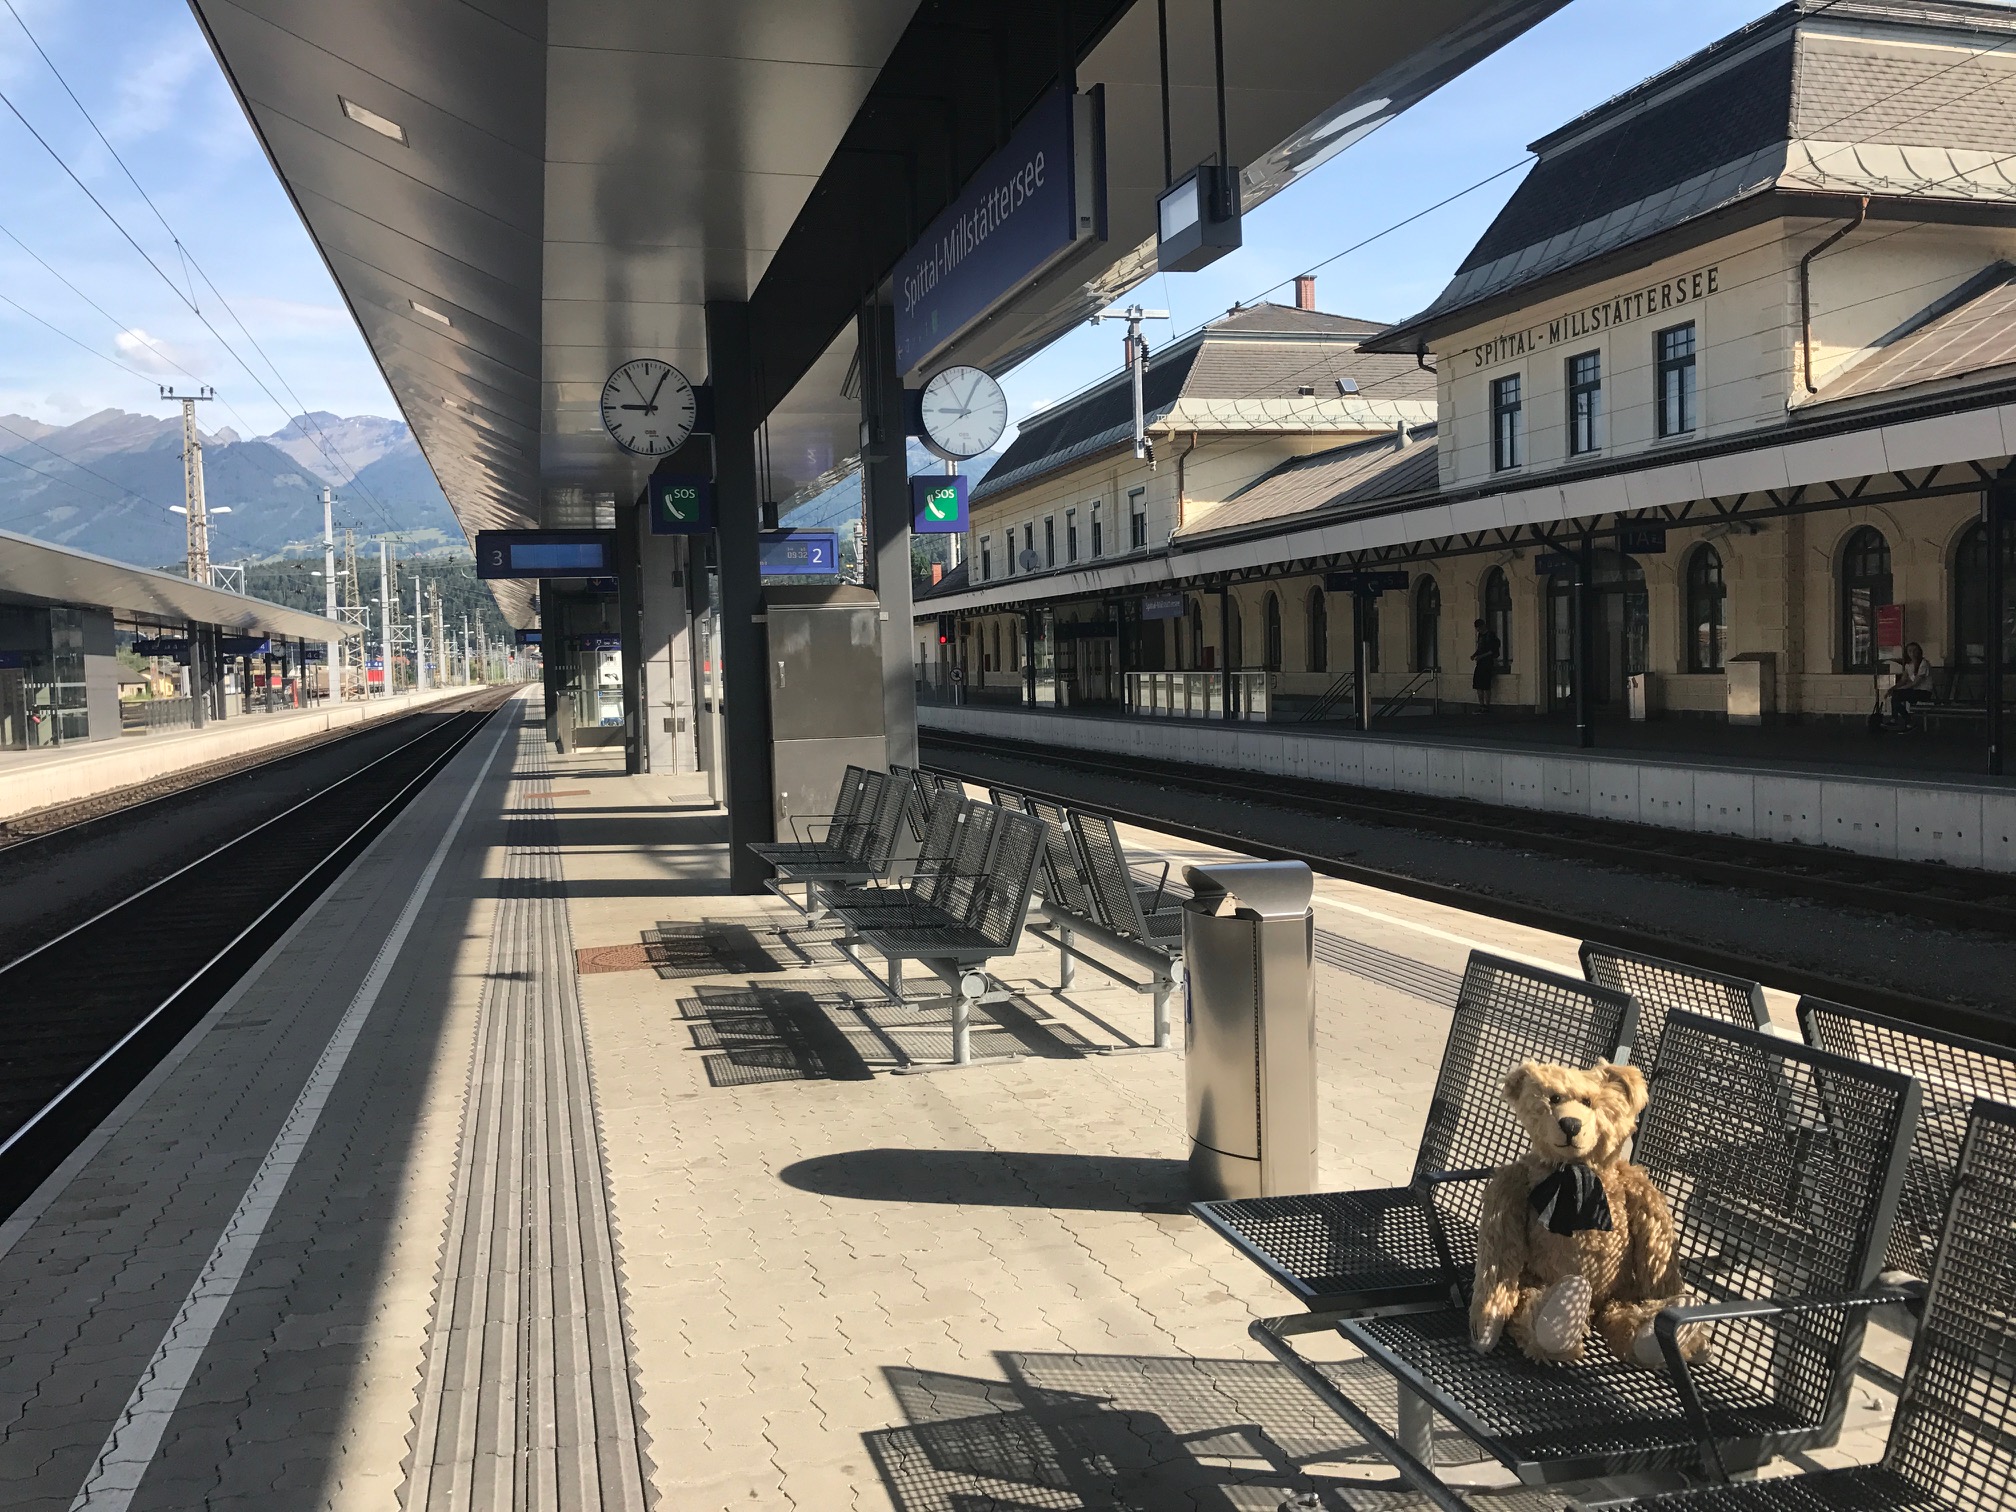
1137, 518
1029, 547
1070, 535
1050, 541
986, 558
1508, 429
1585, 404
1098, 546
1676, 380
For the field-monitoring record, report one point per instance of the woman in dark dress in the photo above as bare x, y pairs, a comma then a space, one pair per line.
1484, 662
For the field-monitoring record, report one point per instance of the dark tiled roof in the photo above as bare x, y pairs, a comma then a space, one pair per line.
1262, 351
954, 581
1765, 109
1355, 474
1968, 332
1721, 121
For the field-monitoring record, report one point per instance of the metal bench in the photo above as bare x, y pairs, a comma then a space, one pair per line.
846, 813
1952, 1071
1952, 1445
1664, 987
976, 906
1778, 1197
870, 844
1072, 908
1343, 1252
929, 869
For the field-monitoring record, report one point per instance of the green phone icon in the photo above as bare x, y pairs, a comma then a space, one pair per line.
943, 504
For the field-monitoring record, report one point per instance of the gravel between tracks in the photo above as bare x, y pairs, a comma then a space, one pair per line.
1904, 955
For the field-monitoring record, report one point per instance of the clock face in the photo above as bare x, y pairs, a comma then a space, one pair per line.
647, 407
964, 413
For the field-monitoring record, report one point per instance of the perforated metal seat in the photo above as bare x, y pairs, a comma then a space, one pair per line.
839, 828
868, 848
1664, 987
1780, 1197
1111, 884
1952, 1072
1952, 1445
1338, 1251
1063, 876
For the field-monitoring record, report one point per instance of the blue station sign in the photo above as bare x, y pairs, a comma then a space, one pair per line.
545, 553
938, 504
1029, 204
798, 553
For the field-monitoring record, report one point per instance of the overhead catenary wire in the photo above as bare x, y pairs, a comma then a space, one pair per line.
300, 410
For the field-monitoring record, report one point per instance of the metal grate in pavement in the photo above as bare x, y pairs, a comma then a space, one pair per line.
526, 1395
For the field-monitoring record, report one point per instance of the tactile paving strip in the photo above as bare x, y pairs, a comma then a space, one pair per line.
526, 1399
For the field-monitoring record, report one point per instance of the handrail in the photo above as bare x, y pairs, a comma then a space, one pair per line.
1397, 701
1346, 686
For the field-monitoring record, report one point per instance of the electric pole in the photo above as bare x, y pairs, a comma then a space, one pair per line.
387, 597
332, 650
419, 641
1137, 363
192, 483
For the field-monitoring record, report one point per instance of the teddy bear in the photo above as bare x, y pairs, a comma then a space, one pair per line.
1573, 1236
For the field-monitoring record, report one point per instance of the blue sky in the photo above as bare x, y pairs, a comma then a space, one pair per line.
142, 69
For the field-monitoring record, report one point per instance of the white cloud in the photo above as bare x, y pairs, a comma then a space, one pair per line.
151, 354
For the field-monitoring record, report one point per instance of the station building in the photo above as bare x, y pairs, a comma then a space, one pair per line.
1730, 376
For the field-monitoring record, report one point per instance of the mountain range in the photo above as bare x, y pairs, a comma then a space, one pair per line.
106, 483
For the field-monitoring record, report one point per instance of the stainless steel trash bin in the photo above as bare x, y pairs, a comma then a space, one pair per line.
1249, 1028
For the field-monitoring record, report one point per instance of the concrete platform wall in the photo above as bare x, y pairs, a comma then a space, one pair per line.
34, 780
1908, 818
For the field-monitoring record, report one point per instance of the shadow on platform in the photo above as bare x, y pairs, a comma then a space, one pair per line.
1137, 1431
997, 1178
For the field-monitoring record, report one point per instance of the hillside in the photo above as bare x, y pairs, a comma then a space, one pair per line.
105, 485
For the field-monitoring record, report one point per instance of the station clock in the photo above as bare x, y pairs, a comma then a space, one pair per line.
648, 407
962, 413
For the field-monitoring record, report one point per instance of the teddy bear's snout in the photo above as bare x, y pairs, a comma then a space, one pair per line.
1571, 1127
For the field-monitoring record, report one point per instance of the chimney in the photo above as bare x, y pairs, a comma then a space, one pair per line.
937, 572
1305, 291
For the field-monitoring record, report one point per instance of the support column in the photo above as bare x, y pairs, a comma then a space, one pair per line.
630, 627
1362, 604
665, 692
2001, 502
885, 500
1585, 567
549, 635
1225, 651
1029, 656
745, 693
199, 680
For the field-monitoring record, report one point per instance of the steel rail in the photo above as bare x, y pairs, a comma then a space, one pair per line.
39, 1143
1779, 867
307, 745
1957, 1017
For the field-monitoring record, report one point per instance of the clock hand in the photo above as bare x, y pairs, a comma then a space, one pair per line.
644, 407
651, 404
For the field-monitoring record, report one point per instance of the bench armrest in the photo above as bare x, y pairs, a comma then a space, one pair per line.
1426, 1184
1666, 1329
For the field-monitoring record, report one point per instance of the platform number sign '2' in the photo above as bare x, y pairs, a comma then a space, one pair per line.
798, 553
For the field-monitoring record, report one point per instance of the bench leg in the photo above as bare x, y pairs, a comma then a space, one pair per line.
1067, 968
895, 978
962, 1018
1164, 986
1417, 1427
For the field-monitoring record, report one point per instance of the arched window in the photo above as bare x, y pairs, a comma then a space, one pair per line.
1235, 636
1496, 604
1970, 599
1707, 610
1194, 622
1427, 626
1271, 633
1319, 631
1865, 588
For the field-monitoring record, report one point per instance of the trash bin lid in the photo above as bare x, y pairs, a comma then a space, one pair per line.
1270, 889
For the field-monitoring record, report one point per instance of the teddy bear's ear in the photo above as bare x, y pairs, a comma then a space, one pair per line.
1631, 1082
1515, 1082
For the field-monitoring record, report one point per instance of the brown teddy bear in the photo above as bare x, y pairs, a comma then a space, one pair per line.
1573, 1235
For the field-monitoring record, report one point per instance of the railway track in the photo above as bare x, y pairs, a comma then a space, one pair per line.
90, 1011
1971, 900
102, 809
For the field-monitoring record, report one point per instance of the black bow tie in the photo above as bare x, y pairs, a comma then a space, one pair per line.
1571, 1200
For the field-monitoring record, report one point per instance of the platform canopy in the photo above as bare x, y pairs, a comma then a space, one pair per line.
516, 196
35, 572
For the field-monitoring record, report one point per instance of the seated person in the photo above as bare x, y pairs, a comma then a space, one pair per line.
1914, 682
